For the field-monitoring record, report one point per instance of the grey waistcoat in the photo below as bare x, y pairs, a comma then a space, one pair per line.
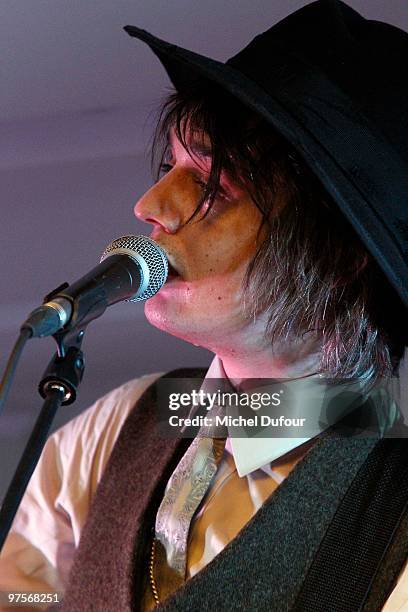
329, 534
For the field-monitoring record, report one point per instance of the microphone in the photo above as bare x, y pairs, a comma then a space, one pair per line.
132, 268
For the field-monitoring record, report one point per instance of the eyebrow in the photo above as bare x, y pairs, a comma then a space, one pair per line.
200, 149
196, 146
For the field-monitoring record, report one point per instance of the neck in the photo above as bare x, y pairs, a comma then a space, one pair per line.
286, 360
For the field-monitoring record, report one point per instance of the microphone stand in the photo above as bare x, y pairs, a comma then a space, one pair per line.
58, 386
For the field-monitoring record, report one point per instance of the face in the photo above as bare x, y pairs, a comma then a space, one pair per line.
203, 301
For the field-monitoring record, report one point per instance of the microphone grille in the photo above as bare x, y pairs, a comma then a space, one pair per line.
151, 258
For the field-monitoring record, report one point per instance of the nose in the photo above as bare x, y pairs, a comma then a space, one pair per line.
164, 205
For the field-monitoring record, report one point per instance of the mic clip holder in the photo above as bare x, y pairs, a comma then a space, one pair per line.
66, 369
55, 292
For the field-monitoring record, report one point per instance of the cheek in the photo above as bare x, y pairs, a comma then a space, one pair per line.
218, 292
221, 251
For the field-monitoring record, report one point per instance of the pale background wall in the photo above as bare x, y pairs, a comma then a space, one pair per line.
76, 103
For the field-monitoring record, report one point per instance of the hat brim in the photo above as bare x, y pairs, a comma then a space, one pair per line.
319, 129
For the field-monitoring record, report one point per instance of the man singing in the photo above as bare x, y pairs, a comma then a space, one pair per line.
280, 202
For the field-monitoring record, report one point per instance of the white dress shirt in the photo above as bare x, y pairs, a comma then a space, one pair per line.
39, 550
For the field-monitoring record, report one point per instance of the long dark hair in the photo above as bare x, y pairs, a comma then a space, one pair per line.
312, 272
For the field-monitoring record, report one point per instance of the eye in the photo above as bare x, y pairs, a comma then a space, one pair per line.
202, 184
219, 203
220, 193
165, 168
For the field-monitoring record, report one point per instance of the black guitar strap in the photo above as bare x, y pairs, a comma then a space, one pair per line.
366, 545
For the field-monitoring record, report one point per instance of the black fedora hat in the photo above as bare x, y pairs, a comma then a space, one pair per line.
336, 86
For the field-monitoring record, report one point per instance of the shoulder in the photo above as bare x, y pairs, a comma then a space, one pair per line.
110, 408
106, 416
85, 443
75, 456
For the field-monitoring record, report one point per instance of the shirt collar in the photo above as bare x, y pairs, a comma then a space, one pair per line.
255, 453
251, 454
